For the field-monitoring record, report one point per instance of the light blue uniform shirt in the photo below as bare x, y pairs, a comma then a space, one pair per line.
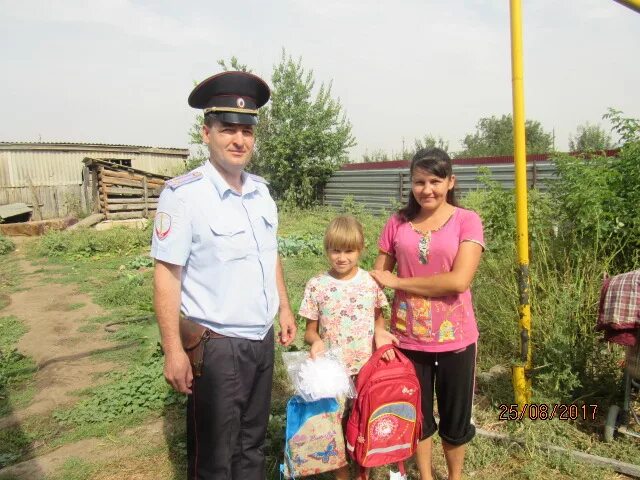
226, 243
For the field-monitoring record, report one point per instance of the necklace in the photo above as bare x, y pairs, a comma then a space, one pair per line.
425, 240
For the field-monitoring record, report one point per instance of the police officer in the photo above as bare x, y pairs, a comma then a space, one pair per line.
217, 265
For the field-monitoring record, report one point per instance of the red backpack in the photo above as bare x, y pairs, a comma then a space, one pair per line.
386, 420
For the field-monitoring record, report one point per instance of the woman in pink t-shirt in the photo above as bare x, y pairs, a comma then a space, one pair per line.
436, 246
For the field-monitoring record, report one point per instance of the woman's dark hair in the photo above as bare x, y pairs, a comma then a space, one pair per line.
436, 162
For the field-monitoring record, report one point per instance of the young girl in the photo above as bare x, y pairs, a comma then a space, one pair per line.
343, 306
437, 247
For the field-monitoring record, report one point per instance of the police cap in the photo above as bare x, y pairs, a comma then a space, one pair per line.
234, 97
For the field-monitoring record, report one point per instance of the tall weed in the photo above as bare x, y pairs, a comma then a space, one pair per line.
570, 360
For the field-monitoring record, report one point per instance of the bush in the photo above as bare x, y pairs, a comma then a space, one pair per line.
6, 245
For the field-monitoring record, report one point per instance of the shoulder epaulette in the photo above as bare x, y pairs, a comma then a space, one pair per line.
184, 179
258, 178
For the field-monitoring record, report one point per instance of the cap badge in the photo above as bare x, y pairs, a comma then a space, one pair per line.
240, 102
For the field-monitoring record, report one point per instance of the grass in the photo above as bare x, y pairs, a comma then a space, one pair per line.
120, 281
74, 468
75, 306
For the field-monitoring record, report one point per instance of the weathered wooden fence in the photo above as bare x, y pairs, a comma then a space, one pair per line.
121, 192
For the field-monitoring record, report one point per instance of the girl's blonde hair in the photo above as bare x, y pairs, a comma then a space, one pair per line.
344, 233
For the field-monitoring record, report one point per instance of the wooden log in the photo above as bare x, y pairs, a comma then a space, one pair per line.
125, 215
104, 198
88, 221
123, 191
31, 229
133, 176
121, 181
127, 207
150, 201
145, 196
629, 469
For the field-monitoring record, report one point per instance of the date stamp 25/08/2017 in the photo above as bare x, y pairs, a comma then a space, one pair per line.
544, 411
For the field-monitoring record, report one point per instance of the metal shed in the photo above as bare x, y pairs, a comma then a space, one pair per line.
48, 176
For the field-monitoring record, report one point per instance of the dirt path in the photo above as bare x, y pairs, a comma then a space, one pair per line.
90, 450
54, 313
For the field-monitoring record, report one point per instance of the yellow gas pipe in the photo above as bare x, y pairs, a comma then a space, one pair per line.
521, 371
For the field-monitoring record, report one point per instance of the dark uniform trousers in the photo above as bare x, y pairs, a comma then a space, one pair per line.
228, 411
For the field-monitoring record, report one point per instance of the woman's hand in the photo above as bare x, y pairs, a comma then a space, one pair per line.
382, 337
385, 278
317, 348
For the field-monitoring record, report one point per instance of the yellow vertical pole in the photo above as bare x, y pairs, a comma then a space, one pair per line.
520, 372
632, 4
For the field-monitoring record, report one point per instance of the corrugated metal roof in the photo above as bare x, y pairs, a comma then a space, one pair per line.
99, 147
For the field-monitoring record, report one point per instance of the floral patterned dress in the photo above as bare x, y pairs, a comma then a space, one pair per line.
345, 310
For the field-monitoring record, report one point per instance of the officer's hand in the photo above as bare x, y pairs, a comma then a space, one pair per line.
177, 371
287, 327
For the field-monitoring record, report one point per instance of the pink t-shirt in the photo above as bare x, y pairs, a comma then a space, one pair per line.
434, 324
345, 310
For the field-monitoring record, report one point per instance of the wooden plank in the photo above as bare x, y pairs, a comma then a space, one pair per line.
85, 189
14, 210
95, 207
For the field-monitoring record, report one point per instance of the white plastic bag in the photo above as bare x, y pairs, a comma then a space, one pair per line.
324, 377
396, 476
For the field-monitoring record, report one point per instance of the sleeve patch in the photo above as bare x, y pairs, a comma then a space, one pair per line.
162, 225
184, 179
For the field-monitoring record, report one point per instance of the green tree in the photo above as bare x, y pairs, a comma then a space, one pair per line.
377, 155
302, 138
430, 141
597, 197
627, 127
234, 64
590, 138
494, 136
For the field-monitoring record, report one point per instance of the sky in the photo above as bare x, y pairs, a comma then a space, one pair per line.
120, 71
